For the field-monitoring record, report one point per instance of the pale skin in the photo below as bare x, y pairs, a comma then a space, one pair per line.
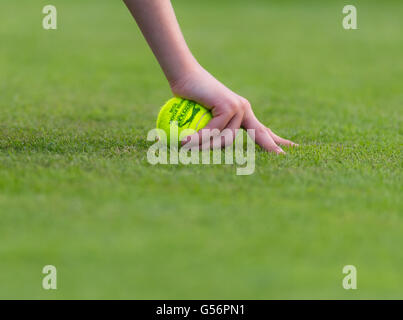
188, 79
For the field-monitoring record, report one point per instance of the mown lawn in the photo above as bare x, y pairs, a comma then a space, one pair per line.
77, 192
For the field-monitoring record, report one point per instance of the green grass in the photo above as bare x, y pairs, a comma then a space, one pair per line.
76, 190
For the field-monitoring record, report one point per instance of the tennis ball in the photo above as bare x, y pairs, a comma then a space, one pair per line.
182, 114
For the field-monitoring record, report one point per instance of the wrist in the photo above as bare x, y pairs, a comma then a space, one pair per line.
180, 75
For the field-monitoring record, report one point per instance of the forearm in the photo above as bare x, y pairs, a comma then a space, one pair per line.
157, 21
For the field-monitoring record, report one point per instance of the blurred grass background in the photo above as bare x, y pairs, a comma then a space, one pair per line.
76, 190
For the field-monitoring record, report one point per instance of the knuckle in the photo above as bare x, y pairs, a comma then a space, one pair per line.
260, 130
246, 104
235, 106
240, 104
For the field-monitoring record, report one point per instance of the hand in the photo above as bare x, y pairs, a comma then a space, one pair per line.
188, 79
230, 111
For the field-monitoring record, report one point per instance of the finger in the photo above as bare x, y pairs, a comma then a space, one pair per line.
227, 136
219, 122
277, 139
262, 137
280, 140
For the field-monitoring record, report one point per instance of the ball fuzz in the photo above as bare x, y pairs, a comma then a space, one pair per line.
182, 114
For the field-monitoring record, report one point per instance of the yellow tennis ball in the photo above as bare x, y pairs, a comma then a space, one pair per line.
182, 114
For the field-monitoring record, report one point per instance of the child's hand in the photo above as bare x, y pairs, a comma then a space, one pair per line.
230, 111
188, 79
